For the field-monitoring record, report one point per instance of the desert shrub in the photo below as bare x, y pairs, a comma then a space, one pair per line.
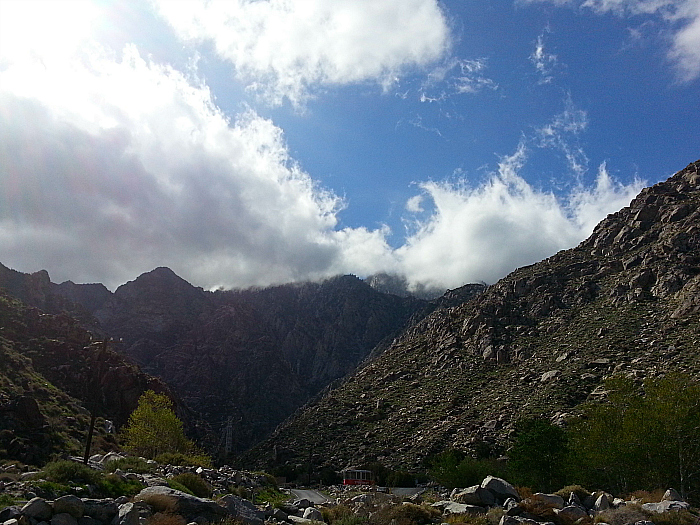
111, 486
580, 492
165, 518
241, 492
66, 471
622, 515
179, 486
198, 486
336, 513
645, 496
6, 500
680, 517
352, 519
184, 460
539, 508
160, 502
494, 515
467, 519
406, 514
129, 464
524, 492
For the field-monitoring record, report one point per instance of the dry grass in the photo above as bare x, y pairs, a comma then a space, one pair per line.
165, 518
623, 515
160, 502
644, 496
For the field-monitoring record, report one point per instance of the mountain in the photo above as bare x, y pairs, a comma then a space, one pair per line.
537, 343
243, 359
51, 376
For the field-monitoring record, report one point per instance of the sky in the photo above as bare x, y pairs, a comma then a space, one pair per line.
249, 143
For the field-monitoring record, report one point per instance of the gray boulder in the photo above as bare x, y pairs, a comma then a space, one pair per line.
500, 488
243, 510
10, 513
474, 495
190, 507
63, 518
38, 508
461, 508
552, 500
671, 495
602, 503
571, 513
128, 515
69, 504
312, 513
103, 510
665, 506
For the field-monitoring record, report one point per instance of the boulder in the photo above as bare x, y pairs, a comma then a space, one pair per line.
302, 503
551, 500
601, 503
461, 508
103, 510
312, 513
665, 506
128, 514
571, 513
38, 509
671, 495
69, 504
188, 506
243, 510
500, 488
474, 495
10, 513
63, 518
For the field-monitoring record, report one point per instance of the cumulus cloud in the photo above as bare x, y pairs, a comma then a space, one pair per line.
288, 50
681, 17
483, 232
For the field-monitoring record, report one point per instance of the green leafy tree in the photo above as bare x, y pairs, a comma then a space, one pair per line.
641, 438
538, 457
154, 429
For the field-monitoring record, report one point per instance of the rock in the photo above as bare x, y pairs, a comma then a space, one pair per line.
302, 503
671, 495
87, 520
188, 506
298, 520
243, 510
549, 376
38, 509
500, 488
571, 513
103, 510
552, 500
474, 495
128, 514
361, 498
602, 503
63, 518
461, 508
312, 513
12, 521
574, 500
69, 504
665, 506
9, 513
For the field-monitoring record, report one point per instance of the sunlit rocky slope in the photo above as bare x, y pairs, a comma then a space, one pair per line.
538, 342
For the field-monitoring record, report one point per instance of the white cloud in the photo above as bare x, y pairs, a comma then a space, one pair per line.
562, 133
544, 62
284, 49
484, 232
682, 19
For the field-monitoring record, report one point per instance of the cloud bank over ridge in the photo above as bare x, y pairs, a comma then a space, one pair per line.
112, 164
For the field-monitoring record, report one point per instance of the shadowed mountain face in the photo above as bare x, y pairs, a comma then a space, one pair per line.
247, 359
538, 342
51, 377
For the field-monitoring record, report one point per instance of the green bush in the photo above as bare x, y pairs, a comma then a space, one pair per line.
69, 472
580, 492
272, 496
184, 460
112, 486
179, 486
6, 500
129, 464
453, 468
198, 486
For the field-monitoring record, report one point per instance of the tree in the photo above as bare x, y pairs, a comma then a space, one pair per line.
641, 438
538, 457
154, 429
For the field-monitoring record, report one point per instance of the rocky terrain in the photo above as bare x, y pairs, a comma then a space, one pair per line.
492, 502
52, 375
538, 342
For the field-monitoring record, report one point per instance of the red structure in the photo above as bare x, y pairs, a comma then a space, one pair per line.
357, 477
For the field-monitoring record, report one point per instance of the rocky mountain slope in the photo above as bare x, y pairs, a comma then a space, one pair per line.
538, 342
51, 376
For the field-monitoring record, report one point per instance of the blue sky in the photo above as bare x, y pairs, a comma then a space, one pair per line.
259, 142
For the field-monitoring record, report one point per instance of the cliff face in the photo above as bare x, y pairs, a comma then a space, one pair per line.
51, 377
538, 342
